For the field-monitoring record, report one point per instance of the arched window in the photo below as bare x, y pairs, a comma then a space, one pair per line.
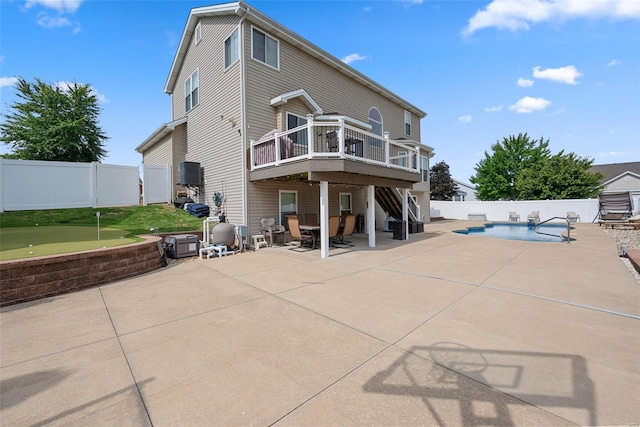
375, 120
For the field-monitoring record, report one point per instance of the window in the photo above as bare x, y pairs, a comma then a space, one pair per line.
264, 48
375, 120
197, 34
345, 203
288, 206
191, 91
407, 123
231, 49
424, 166
293, 122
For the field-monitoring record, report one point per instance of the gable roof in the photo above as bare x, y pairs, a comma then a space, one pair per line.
242, 9
611, 171
160, 133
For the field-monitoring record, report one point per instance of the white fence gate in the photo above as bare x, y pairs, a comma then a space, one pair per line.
156, 184
36, 185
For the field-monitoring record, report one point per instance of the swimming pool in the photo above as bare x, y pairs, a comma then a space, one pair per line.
511, 231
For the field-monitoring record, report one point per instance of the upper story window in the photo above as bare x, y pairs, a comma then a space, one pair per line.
231, 50
265, 48
424, 166
293, 122
191, 91
197, 34
375, 120
407, 123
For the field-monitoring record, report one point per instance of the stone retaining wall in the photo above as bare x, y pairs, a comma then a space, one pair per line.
30, 279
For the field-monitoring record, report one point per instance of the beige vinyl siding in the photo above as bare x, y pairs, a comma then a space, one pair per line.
213, 131
179, 137
264, 200
332, 90
159, 153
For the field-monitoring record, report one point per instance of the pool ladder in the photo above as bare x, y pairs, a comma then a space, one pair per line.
562, 238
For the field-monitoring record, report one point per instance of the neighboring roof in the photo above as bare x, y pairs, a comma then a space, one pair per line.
242, 9
159, 133
612, 171
464, 184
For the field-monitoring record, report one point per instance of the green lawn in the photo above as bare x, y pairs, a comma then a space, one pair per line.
56, 231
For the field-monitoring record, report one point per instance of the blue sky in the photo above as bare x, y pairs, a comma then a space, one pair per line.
568, 71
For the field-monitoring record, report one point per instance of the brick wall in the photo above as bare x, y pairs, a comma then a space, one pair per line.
35, 278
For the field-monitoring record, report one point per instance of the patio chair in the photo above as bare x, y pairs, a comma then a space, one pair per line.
349, 226
332, 141
334, 226
269, 228
534, 216
573, 217
311, 219
513, 216
297, 234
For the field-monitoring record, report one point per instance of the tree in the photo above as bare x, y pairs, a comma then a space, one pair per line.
496, 174
562, 176
441, 184
54, 123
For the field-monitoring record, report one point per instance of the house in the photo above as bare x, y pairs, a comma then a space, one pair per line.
466, 192
621, 177
279, 126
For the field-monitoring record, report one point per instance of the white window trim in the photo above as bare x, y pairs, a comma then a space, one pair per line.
265, 53
407, 123
197, 34
224, 59
350, 207
280, 202
190, 79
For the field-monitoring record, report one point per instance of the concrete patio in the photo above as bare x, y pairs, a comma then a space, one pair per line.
445, 329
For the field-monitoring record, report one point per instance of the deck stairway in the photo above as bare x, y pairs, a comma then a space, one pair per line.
390, 200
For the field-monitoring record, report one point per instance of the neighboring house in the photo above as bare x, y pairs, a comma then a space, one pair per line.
621, 177
466, 192
280, 126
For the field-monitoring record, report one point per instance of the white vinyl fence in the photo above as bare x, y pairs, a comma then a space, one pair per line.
157, 184
499, 211
35, 185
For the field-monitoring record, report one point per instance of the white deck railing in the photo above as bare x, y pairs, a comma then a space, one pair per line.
332, 139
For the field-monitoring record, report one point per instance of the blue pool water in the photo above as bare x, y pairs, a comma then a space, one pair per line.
509, 231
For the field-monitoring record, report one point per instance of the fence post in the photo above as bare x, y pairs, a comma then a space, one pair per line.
2, 181
94, 184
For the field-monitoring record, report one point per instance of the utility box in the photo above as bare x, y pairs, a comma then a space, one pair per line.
181, 245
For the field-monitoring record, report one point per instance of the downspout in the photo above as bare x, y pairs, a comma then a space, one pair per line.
243, 120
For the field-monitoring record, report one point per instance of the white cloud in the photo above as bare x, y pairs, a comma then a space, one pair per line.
525, 82
62, 6
367, 9
411, 1
8, 81
64, 86
613, 63
353, 57
1, 58
493, 109
48, 22
465, 119
517, 15
529, 105
567, 74
613, 154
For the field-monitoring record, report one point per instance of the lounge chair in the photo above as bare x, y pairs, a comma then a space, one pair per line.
297, 234
349, 226
534, 216
573, 217
513, 216
269, 228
